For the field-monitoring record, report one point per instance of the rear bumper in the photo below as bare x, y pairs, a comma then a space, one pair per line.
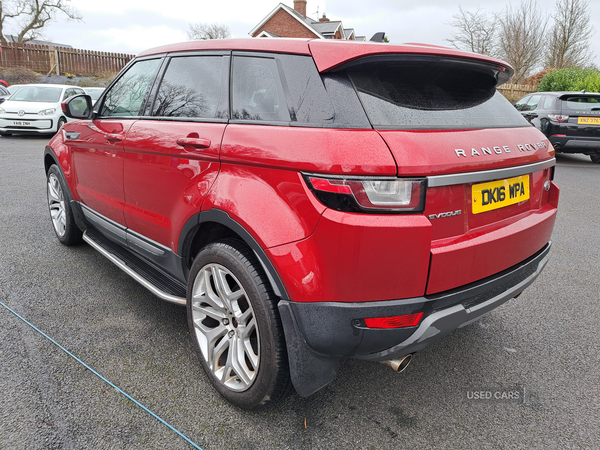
319, 334
570, 144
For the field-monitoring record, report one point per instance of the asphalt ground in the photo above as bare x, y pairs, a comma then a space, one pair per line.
537, 356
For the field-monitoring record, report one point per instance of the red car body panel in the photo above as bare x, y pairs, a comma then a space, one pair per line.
335, 151
329, 55
98, 160
295, 46
251, 194
166, 182
438, 152
357, 258
488, 252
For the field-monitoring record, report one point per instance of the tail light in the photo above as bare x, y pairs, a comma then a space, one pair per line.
558, 117
369, 194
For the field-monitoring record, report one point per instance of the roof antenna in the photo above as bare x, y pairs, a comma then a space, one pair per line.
378, 37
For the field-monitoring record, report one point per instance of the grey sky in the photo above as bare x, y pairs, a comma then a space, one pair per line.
134, 25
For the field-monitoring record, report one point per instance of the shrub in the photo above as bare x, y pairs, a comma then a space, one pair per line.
20, 75
575, 79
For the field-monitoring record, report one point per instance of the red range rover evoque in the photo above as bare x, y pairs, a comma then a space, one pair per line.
308, 200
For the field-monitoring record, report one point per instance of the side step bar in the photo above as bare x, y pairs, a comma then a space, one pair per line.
159, 283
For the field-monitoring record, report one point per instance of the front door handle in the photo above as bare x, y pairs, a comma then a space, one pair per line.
194, 142
113, 137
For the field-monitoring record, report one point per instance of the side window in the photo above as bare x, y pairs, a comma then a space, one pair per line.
257, 90
68, 93
309, 102
521, 103
192, 87
532, 103
548, 102
127, 94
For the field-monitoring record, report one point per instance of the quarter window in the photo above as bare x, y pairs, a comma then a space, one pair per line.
125, 97
192, 87
257, 91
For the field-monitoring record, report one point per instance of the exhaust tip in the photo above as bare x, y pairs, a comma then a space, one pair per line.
398, 364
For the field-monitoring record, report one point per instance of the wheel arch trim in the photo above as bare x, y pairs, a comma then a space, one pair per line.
223, 218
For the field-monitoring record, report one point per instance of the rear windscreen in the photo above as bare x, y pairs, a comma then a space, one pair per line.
582, 103
432, 95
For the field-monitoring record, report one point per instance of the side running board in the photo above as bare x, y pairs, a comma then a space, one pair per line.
159, 283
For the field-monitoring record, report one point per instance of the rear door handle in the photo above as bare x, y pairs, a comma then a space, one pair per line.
194, 142
113, 137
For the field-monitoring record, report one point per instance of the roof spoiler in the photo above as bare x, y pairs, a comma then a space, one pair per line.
378, 37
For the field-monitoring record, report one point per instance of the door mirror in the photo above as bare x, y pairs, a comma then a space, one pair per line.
78, 107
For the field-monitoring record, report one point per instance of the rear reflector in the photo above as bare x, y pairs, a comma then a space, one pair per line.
407, 320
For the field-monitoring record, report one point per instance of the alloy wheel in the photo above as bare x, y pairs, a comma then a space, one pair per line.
56, 204
225, 327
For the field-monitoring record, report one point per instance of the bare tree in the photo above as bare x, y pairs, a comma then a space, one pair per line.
521, 37
30, 17
569, 37
202, 31
476, 32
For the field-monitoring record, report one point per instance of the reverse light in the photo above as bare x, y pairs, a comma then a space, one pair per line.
47, 112
406, 320
558, 117
369, 194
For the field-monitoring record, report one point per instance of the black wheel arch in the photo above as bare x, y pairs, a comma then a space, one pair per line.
50, 159
214, 224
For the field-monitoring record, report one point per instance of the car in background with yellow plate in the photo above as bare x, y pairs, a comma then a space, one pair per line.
570, 120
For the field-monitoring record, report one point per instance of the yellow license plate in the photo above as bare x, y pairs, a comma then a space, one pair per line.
498, 194
588, 120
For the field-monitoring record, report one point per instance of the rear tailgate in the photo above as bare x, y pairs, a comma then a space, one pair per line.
488, 197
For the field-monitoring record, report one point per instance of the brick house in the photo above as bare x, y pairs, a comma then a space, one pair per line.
284, 21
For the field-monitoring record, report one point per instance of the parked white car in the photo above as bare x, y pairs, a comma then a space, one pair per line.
35, 108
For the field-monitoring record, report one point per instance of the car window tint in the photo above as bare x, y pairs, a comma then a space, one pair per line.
582, 103
192, 87
548, 102
413, 94
309, 102
127, 94
521, 103
257, 91
532, 103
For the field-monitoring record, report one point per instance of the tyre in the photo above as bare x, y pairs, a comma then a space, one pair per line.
60, 123
595, 158
235, 326
5, 133
61, 213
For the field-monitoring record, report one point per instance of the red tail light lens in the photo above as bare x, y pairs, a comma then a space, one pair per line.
407, 320
369, 194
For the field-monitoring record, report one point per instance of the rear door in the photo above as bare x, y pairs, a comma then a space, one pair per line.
172, 154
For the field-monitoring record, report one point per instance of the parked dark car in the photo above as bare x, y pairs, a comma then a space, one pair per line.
570, 120
4, 94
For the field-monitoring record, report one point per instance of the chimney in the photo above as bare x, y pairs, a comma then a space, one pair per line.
323, 19
300, 6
